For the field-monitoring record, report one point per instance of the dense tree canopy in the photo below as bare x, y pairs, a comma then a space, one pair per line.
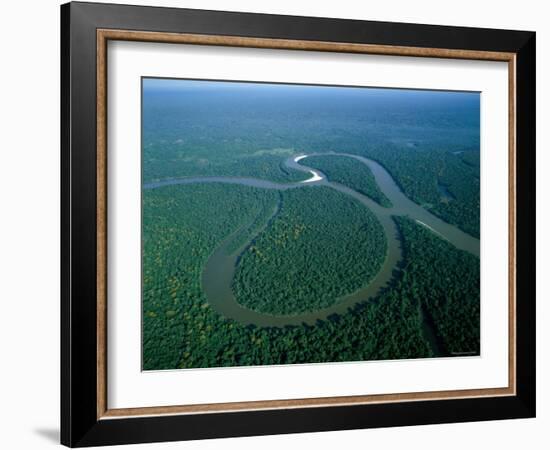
421, 175
322, 245
445, 282
350, 173
181, 330
429, 143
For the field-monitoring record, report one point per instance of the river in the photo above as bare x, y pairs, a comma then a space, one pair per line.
218, 273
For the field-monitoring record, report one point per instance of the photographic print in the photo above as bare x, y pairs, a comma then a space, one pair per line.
299, 224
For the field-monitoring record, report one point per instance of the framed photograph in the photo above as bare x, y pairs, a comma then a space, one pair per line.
276, 224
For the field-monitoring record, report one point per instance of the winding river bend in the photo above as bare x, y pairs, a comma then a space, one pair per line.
217, 275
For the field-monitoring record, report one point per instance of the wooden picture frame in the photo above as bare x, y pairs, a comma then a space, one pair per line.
86, 418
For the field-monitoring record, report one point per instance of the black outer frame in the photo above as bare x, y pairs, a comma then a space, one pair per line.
79, 424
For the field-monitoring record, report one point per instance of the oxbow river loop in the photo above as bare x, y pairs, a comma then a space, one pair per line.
219, 270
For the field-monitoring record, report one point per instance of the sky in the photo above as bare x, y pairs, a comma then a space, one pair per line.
178, 85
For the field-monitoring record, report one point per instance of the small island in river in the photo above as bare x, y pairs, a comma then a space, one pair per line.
287, 224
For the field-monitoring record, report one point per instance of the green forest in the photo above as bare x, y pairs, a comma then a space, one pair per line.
424, 139
350, 173
320, 236
420, 175
299, 250
444, 281
183, 224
